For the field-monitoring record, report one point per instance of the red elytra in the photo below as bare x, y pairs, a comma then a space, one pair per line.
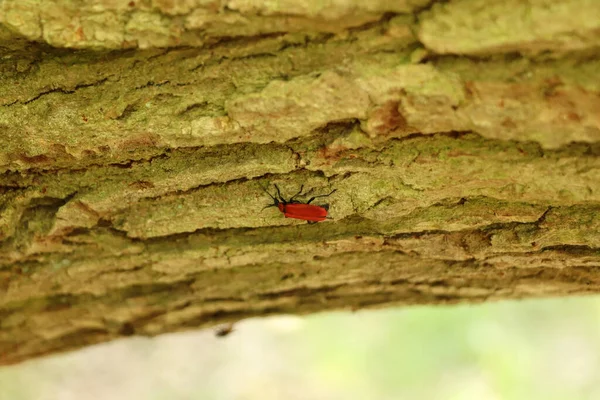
294, 209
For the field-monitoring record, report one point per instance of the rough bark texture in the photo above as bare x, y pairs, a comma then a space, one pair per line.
463, 138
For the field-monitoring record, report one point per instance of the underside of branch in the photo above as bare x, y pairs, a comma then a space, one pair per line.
462, 138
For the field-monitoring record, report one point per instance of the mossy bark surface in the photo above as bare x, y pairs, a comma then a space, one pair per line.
463, 138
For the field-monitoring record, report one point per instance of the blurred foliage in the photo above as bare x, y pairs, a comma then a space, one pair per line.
535, 349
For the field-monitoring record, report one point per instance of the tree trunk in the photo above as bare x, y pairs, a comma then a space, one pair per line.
463, 138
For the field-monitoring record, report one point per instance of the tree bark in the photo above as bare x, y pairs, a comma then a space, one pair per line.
463, 138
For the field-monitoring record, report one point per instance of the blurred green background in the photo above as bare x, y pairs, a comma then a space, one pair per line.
535, 349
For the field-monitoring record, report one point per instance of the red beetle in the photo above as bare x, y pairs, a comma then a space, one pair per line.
294, 209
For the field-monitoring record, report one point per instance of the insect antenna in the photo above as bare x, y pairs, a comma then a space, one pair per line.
267, 192
297, 194
321, 195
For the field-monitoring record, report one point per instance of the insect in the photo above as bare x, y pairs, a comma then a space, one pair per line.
295, 209
224, 330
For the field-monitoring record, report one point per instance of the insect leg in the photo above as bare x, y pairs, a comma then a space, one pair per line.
297, 194
281, 199
321, 195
